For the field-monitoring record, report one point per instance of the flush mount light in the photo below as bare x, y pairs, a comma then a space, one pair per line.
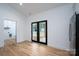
20, 4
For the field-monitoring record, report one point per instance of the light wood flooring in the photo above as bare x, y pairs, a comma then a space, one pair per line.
31, 49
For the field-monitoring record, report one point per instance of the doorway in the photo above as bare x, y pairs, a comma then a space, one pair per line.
10, 32
39, 32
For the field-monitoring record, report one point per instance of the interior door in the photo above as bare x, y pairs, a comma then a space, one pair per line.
39, 32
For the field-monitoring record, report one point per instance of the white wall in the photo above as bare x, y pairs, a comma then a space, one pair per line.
77, 8
1, 34
58, 25
72, 33
7, 12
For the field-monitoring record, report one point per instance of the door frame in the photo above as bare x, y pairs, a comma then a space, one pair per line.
15, 27
38, 32
76, 42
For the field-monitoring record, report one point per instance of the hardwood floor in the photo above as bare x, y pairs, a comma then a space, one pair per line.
10, 41
31, 49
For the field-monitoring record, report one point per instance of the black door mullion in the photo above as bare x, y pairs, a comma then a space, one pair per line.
37, 31
46, 32
77, 35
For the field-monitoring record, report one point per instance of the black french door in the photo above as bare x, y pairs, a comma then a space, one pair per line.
77, 34
39, 32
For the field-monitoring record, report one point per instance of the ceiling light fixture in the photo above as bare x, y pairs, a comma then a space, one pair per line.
20, 4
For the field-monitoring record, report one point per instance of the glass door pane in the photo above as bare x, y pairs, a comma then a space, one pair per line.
34, 31
42, 32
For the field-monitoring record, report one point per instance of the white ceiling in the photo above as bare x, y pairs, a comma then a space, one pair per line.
33, 8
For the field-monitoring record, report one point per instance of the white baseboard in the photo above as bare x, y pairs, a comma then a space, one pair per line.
73, 51
66, 49
2, 45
